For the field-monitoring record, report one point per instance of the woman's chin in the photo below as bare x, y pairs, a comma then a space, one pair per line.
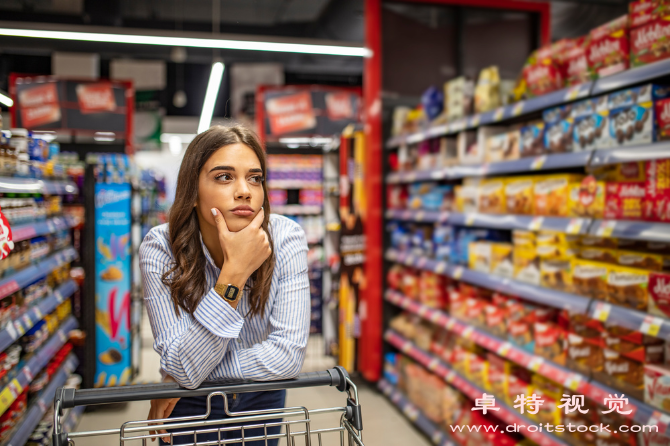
236, 224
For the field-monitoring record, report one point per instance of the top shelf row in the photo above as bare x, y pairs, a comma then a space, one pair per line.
34, 186
607, 84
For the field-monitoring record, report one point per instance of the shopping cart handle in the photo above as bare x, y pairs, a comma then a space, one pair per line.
336, 377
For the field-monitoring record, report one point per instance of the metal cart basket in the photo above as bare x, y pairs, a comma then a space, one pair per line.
295, 421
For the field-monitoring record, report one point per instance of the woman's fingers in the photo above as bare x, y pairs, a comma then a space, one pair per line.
257, 222
161, 409
221, 225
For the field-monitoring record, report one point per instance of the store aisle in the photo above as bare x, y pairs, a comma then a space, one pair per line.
383, 424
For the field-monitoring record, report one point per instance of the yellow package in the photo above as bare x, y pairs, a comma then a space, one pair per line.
479, 256
501, 260
467, 198
526, 264
587, 199
521, 237
519, 198
552, 194
550, 392
642, 260
589, 278
556, 274
602, 255
492, 196
558, 251
628, 287
598, 242
515, 384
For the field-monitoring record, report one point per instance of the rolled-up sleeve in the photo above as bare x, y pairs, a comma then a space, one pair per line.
282, 354
190, 347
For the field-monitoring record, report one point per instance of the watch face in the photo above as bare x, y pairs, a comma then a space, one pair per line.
231, 292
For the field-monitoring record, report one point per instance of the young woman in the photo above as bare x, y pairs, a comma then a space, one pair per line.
225, 283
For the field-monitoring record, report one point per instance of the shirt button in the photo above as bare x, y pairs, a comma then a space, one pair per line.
239, 341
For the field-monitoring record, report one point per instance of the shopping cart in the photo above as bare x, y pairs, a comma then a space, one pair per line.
296, 421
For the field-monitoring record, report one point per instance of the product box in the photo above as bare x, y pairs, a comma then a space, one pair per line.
469, 152
624, 201
492, 196
575, 65
495, 320
549, 341
590, 278
532, 139
467, 198
632, 172
558, 136
494, 381
628, 287
633, 124
554, 252
523, 237
657, 192
659, 294
602, 255
662, 115
642, 260
501, 260
517, 382
657, 386
552, 194
588, 132
643, 94
557, 114
459, 97
649, 353
607, 50
622, 373
582, 355
526, 264
587, 199
503, 147
541, 73
556, 274
640, 12
519, 198
649, 42
479, 256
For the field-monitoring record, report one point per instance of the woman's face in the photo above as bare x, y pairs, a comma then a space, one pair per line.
232, 182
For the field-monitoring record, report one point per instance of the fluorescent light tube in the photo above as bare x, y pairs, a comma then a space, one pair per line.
192, 42
6, 100
210, 97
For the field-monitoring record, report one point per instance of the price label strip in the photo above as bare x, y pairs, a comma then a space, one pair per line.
476, 119
538, 162
458, 272
651, 325
606, 228
535, 363
602, 311
467, 333
420, 216
573, 382
499, 113
504, 349
574, 226
536, 223
572, 93
518, 108
441, 267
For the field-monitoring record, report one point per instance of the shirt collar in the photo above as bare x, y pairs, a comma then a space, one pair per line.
206, 251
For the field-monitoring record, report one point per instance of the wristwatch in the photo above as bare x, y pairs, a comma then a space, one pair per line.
229, 292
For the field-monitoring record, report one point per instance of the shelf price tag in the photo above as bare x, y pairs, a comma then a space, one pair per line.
12, 331
434, 316
469, 219
410, 177
499, 113
450, 324
467, 333
411, 412
518, 108
437, 437
572, 93
38, 313
422, 311
606, 228
410, 259
19, 328
432, 365
538, 162
535, 363
441, 267
437, 174
651, 325
602, 311
574, 226
444, 216
420, 216
504, 349
573, 381
421, 263
475, 120
406, 347
28, 373
449, 377
458, 272
536, 223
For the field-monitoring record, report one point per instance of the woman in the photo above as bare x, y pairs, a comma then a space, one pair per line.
225, 283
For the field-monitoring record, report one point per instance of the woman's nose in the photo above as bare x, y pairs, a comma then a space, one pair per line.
242, 190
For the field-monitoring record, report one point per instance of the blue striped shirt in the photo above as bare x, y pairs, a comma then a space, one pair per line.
218, 342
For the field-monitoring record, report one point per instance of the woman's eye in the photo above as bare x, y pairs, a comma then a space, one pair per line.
257, 179
224, 177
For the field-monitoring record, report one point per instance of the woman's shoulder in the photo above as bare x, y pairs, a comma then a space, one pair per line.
157, 239
283, 228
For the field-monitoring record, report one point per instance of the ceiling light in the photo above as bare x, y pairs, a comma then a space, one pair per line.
210, 97
192, 42
6, 100
104, 136
174, 144
185, 138
306, 141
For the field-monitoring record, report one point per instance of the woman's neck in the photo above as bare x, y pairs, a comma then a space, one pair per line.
210, 237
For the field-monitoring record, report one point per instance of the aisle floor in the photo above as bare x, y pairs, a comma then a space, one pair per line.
383, 424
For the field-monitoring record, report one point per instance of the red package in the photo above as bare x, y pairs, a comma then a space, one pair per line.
542, 74
659, 294
607, 50
657, 193
662, 111
624, 201
575, 67
549, 341
641, 12
649, 43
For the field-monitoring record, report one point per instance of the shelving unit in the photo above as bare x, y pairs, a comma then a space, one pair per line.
28, 275
33, 186
50, 226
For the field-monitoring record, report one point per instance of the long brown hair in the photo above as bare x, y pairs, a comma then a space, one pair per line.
186, 277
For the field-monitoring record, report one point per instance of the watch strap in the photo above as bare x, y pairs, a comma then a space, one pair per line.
228, 291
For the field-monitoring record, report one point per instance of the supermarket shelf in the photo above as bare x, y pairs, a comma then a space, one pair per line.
297, 209
631, 229
36, 271
437, 436
631, 77
504, 221
30, 230
631, 319
37, 410
29, 185
294, 184
568, 378
25, 322
641, 152
533, 293
435, 365
36, 363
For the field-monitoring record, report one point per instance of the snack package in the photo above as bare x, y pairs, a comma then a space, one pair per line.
487, 90
649, 40
495, 320
659, 294
601, 117
542, 73
558, 136
501, 260
467, 198
459, 98
587, 199
556, 114
532, 139
633, 113
549, 341
602, 255
582, 355
657, 386
519, 198
607, 50
492, 196
622, 373
557, 274
628, 287
503, 147
517, 382
643, 260
590, 278
624, 201
469, 151
662, 114
495, 374
552, 194
657, 192
575, 65
526, 264
479, 256
641, 12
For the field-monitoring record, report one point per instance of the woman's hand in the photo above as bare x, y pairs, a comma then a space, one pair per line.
244, 251
162, 409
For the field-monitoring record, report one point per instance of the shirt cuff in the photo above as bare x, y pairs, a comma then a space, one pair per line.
218, 316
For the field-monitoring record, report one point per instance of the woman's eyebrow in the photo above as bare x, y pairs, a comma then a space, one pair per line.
229, 168
256, 170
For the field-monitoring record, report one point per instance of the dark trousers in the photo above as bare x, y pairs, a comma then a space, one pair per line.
242, 402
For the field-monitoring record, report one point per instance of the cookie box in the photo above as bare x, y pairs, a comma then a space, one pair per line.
557, 114
556, 274
659, 294
640, 12
552, 194
643, 94
590, 278
587, 199
649, 42
643, 260
650, 353
607, 50
582, 355
501, 259
519, 195
624, 201
469, 152
532, 139
503, 147
526, 264
632, 172
632, 125
602, 255
558, 136
657, 192
622, 373
479, 256
575, 65
628, 287
657, 386
549, 341
492, 196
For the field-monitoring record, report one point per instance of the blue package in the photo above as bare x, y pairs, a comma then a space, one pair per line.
632, 125
637, 95
433, 102
583, 108
532, 139
558, 136
556, 114
434, 200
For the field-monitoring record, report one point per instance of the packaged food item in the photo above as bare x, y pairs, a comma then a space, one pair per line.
517, 382
624, 201
659, 294
523, 237
591, 241
643, 260
492, 196
657, 191
503, 147
602, 255
632, 113
519, 198
607, 50
494, 381
532, 139
657, 386
628, 287
590, 278
487, 90
469, 151
622, 373
467, 198
649, 41
556, 274
649, 351
582, 355
587, 199
549, 341
526, 264
480, 256
459, 98
501, 259
640, 12
558, 136
556, 114
575, 65
552, 194
541, 73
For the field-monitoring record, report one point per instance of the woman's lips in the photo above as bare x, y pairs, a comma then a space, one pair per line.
243, 211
